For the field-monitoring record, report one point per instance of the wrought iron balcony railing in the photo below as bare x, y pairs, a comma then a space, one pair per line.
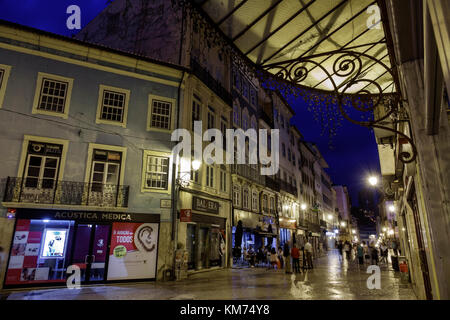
49, 191
210, 82
272, 183
248, 172
288, 187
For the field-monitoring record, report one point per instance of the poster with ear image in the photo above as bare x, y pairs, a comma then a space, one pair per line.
133, 251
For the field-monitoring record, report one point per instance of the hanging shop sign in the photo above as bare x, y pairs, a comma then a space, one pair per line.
186, 215
133, 251
205, 205
288, 223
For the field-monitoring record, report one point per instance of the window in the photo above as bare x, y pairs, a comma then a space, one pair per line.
253, 101
52, 96
4, 75
272, 205
237, 195
105, 169
237, 80
293, 159
289, 154
236, 115
211, 118
210, 176
157, 172
160, 113
245, 199
196, 110
282, 120
113, 106
245, 89
194, 173
245, 120
265, 203
223, 129
253, 122
223, 181
42, 165
283, 150
255, 201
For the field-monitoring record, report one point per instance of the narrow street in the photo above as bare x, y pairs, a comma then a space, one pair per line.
329, 280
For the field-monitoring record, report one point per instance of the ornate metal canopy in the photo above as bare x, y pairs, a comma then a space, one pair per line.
333, 53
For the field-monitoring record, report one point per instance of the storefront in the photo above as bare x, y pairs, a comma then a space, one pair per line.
288, 231
205, 234
258, 230
105, 246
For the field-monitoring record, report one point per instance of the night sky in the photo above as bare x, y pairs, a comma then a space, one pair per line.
354, 154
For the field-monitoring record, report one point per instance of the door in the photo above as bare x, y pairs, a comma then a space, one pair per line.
90, 251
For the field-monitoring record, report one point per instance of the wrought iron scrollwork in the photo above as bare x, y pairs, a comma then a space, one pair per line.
349, 68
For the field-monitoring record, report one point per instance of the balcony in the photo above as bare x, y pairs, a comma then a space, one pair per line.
288, 188
210, 82
248, 172
49, 191
273, 184
313, 227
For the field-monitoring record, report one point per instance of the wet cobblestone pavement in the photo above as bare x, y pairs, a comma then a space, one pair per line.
331, 279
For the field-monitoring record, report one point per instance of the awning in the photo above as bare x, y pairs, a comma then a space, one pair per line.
327, 45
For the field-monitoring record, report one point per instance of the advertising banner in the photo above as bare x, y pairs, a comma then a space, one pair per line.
133, 252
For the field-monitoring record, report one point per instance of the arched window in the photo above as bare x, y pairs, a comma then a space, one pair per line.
245, 119
265, 203
245, 198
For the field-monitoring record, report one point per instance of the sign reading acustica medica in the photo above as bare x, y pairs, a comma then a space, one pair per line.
205, 205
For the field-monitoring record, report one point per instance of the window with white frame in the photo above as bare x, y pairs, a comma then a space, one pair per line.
105, 169
113, 106
245, 198
52, 96
223, 181
255, 201
210, 176
42, 165
161, 113
236, 195
156, 172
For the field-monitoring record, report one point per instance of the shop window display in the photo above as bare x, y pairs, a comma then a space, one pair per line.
39, 251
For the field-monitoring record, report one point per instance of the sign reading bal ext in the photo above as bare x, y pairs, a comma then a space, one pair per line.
205, 205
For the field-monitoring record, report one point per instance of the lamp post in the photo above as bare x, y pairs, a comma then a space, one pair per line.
181, 182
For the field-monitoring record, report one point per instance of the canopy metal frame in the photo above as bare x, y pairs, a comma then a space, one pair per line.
350, 66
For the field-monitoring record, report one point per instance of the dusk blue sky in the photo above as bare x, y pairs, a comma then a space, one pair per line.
354, 154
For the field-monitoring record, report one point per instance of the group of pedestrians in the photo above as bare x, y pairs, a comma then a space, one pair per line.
293, 259
365, 253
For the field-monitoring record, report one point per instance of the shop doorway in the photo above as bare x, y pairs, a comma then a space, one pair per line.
90, 251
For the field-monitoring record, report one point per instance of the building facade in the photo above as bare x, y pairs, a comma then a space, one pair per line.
87, 178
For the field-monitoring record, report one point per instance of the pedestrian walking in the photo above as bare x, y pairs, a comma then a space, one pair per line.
309, 252
384, 252
295, 254
340, 249
366, 252
373, 255
360, 254
272, 259
280, 257
287, 258
347, 249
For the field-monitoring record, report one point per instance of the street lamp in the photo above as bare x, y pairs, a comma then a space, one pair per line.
303, 206
330, 217
373, 181
391, 208
343, 224
196, 165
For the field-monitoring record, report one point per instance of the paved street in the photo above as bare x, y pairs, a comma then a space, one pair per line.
330, 279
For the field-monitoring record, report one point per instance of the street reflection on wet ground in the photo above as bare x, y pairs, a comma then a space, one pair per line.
331, 279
